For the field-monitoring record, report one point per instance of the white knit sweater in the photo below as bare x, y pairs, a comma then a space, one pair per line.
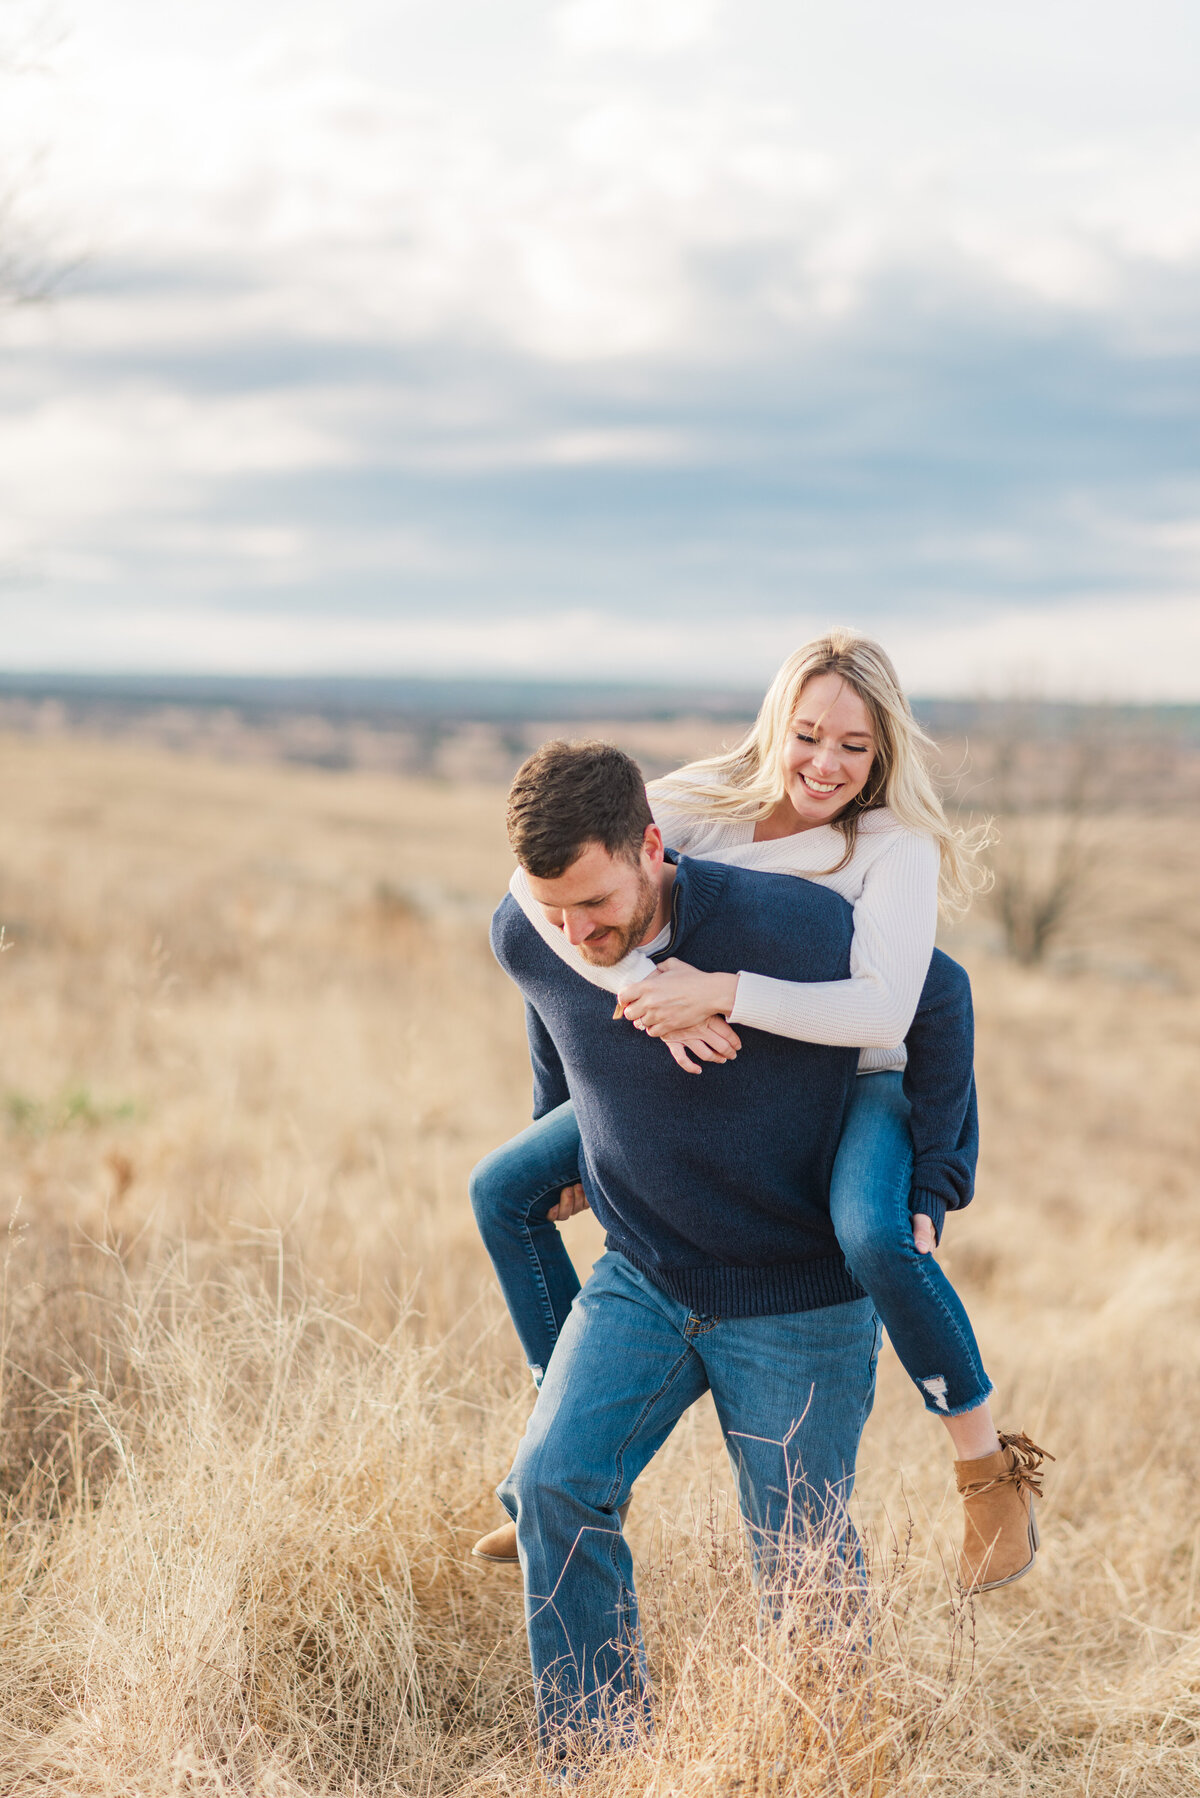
891, 881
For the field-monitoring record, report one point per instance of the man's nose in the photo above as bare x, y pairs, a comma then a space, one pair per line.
577, 926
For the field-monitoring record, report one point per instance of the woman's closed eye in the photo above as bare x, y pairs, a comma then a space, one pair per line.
850, 748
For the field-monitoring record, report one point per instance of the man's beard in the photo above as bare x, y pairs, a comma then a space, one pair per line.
621, 938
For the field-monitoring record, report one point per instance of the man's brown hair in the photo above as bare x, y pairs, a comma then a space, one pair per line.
568, 795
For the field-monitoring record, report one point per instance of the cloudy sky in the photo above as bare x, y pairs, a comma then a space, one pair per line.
606, 337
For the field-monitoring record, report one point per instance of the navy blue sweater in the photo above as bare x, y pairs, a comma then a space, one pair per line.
717, 1188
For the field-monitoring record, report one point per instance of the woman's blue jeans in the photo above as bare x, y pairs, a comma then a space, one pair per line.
868, 1202
513, 1188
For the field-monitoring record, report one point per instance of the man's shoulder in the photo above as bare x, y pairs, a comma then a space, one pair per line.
511, 932
774, 924
524, 954
786, 894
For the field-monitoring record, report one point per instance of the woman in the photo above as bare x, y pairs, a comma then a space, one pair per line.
832, 784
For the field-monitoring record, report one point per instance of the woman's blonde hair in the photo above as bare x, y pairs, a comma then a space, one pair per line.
747, 781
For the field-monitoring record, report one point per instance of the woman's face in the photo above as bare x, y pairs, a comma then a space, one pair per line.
829, 752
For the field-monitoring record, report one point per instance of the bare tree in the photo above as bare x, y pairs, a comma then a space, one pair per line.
28, 272
1047, 782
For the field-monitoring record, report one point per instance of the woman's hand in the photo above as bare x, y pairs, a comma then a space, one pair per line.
714, 1041
924, 1240
677, 999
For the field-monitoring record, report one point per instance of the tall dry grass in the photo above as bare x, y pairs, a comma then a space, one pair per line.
257, 1382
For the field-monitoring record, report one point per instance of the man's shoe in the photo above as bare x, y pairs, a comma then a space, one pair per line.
1000, 1535
500, 1545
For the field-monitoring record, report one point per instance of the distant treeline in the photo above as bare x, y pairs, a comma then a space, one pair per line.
387, 699
399, 700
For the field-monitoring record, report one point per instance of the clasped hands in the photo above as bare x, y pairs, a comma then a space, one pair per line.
686, 1008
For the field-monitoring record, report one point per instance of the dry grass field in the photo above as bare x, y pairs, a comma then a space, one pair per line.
257, 1383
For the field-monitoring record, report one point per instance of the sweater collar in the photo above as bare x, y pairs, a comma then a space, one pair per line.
695, 890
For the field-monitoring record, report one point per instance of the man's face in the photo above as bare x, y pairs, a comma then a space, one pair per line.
603, 903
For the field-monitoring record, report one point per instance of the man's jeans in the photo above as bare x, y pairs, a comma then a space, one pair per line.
792, 1394
513, 1188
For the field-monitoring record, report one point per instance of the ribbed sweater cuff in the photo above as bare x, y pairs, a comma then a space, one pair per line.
934, 1207
756, 1003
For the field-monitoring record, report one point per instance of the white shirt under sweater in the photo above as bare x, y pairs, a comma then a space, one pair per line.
891, 881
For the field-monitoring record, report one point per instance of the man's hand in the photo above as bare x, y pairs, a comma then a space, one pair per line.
678, 998
571, 1199
924, 1240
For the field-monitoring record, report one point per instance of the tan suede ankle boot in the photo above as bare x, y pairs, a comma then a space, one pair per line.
1000, 1534
500, 1545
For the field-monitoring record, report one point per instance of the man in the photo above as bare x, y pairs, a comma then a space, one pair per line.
723, 1272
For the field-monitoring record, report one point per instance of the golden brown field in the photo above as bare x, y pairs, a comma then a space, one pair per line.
257, 1383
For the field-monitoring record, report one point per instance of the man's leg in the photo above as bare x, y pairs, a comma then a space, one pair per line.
622, 1374
923, 1315
792, 1395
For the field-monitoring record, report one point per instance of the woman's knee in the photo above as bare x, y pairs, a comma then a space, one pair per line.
495, 1190
522, 1178
877, 1245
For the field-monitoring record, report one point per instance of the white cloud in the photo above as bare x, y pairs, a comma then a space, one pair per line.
630, 447
566, 643
73, 463
641, 27
1094, 649
580, 218
1141, 647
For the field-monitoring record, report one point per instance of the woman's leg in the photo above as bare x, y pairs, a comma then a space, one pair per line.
512, 1189
922, 1313
997, 1476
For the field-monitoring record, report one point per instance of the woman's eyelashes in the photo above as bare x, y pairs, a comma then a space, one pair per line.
850, 748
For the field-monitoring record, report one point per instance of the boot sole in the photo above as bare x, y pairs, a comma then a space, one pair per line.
1010, 1579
